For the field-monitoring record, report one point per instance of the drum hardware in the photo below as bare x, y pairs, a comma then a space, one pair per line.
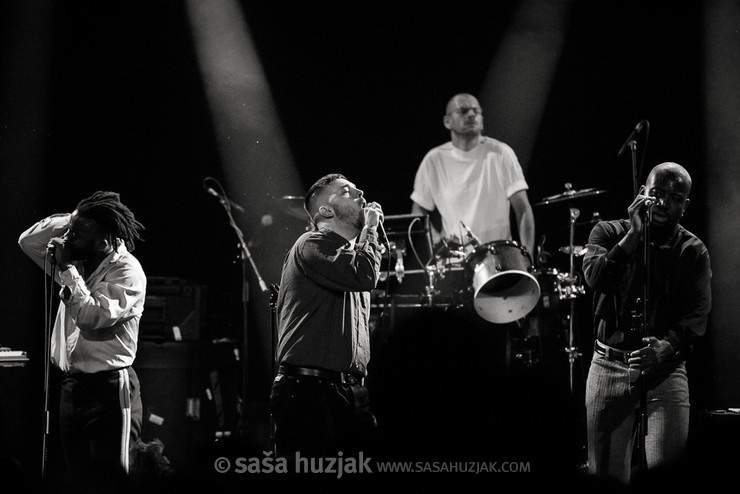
527, 351
473, 239
399, 250
570, 288
578, 250
595, 218
573, 291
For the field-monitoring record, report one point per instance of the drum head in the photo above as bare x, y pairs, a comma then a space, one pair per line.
503, 288
507, 297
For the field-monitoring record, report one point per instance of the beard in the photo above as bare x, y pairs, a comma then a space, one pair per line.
355, 217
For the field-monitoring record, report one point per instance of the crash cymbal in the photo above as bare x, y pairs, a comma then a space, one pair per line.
293, 206
569, 195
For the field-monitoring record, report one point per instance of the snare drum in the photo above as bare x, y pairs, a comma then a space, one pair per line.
500, 276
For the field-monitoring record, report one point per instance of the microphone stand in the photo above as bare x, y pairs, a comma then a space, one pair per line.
245, 255
635, 173
274, 291
48, 328
643, 420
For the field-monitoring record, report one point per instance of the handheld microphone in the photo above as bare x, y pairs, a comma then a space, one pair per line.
51, 251
647, 207
381, 230
383, 236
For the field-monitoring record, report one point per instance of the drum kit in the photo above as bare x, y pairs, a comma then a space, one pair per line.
498, 279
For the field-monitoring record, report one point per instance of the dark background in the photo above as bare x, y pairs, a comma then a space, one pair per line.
108, 95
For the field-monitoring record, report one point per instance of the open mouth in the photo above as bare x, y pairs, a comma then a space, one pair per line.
659, 216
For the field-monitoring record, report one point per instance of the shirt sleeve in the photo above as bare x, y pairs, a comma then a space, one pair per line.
513, 175
339, 267
422, 193
694, 300
33, 241
119, 297
604, 261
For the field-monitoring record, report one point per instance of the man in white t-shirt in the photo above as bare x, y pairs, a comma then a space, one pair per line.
472, 181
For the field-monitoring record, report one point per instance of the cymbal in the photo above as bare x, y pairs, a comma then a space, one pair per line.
595, 218
578, 250
569, 195
293, 206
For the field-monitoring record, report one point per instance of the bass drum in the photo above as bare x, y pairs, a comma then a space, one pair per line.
500, 276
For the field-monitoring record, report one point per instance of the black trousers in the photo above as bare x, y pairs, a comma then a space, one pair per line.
318, 418
100, 417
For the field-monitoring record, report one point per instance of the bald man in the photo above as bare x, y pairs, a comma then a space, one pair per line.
656, 345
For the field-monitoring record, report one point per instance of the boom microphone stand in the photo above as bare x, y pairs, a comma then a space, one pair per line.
244, 255
642, 421
631, 143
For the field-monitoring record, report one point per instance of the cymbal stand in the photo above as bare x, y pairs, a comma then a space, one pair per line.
571, 292
431, 271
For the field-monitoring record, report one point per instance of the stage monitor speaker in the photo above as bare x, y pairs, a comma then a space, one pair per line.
718, 434
174, 310
190, 396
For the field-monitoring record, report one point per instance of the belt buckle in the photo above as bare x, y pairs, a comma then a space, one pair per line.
350, 379
614, 354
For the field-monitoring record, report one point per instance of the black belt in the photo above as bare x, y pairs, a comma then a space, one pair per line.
611, 353
329, 375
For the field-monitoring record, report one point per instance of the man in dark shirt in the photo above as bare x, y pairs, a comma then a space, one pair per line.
630, 343
319, 403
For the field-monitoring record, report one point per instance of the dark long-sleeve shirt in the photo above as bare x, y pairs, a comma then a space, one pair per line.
323, 305
680, 288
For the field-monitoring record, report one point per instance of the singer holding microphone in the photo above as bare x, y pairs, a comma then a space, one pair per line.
634, 352
319, 403
94, 338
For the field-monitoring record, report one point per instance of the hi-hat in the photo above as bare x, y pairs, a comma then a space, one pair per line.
578, 250
569, 195
595, 218
293, 206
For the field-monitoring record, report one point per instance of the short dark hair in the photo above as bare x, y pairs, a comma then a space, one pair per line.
112, 215
310, 202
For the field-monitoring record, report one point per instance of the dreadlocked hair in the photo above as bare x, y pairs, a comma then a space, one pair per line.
112, 215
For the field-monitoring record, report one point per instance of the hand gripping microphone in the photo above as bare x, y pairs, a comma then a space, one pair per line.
51, 250
381, 230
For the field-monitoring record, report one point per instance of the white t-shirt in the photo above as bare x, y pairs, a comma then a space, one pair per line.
470, 186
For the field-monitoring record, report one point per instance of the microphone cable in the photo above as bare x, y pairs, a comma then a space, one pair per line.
50, 264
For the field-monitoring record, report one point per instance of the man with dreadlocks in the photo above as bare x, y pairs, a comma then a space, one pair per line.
94, 340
